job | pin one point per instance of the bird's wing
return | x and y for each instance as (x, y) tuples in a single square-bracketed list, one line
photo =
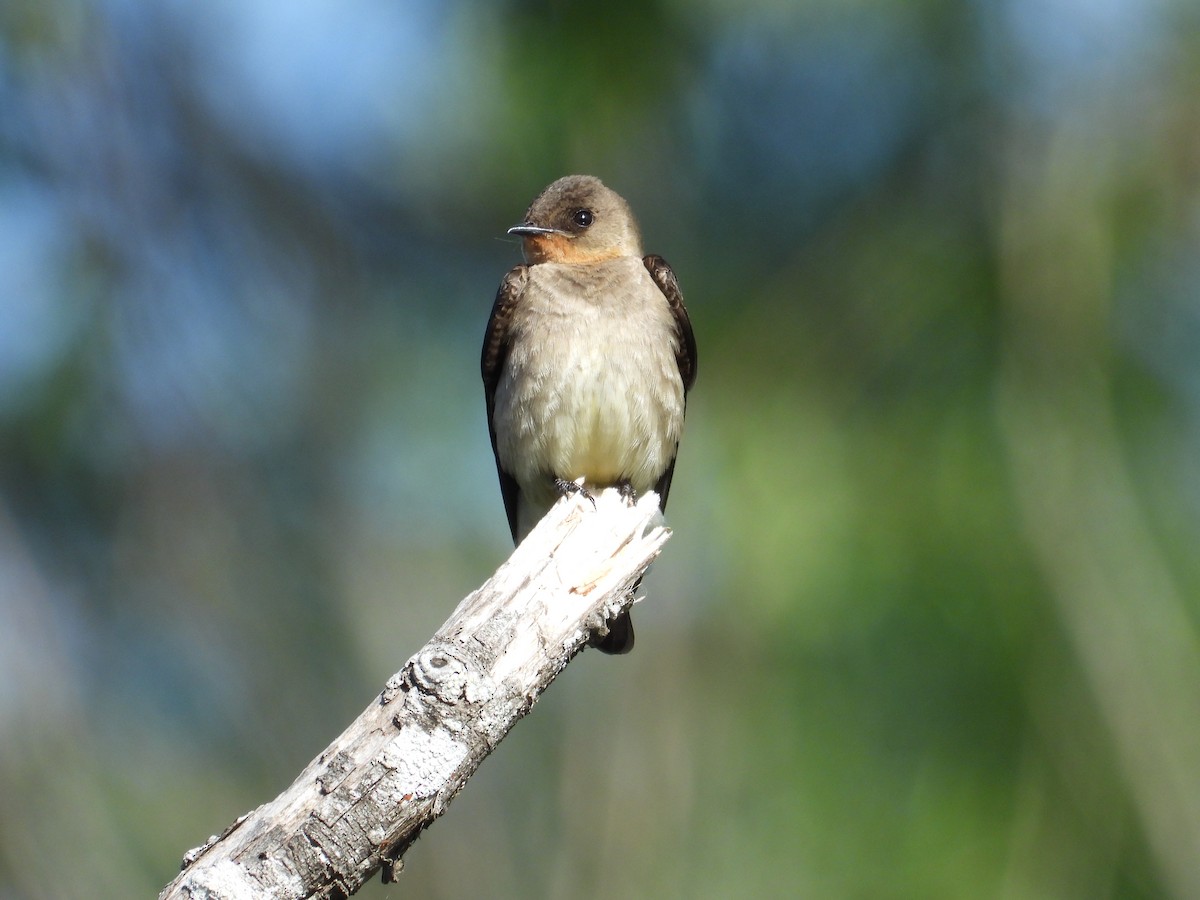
[(685, 347), (495, 351)]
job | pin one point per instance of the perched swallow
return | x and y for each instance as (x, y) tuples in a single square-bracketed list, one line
[(587, 361)]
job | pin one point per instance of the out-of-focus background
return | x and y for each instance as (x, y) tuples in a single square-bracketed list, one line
[(928, 626)]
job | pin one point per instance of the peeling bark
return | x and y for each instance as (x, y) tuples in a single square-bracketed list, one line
[(358, 806)]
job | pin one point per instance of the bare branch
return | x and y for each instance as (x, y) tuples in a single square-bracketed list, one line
[(358, 806)]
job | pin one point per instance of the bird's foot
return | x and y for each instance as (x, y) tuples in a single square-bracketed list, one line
[(566, 488), (628, 494)]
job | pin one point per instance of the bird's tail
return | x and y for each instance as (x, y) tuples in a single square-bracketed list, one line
[(619, 638)]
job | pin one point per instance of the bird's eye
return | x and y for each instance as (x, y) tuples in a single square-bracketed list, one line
[(583, 218)]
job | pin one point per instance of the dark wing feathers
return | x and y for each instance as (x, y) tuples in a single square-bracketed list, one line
[(685, 348), (685, 351), (495, 351)]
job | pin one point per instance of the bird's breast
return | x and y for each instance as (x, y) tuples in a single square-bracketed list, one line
[(591, 387)]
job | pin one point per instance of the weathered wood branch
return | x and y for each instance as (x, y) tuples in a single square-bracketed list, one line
[(358, 806)]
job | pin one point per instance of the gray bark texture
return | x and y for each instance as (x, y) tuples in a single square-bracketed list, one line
[(358, 806)]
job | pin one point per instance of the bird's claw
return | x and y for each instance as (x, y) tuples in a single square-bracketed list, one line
[(566, 488), (628, 494)]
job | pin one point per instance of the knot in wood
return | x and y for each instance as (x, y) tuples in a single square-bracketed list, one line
[(441, 671)]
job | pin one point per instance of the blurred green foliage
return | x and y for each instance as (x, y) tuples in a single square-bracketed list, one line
[(928, 626)]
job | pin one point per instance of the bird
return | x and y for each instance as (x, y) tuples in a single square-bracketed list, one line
[(587, 362)]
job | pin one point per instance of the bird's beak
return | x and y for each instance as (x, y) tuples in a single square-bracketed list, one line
[(527, 230)]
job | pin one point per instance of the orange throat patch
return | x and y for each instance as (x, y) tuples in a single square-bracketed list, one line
[(561, 248)]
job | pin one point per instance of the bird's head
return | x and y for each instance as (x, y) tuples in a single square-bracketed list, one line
[(578, 220)]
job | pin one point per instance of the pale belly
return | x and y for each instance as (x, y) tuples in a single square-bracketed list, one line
[(591, 396)]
